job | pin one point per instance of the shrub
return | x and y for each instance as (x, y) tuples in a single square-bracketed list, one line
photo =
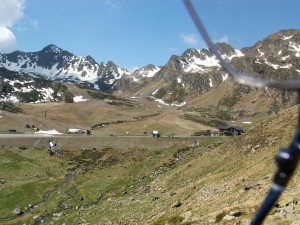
[(9, 107)]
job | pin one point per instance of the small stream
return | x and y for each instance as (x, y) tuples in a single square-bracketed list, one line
[(72, 189), (71, 194), (71, 176)]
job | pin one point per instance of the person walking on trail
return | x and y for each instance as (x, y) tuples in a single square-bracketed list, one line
[(53, 147)]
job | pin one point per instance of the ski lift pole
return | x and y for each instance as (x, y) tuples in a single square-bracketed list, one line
[(286, 160)]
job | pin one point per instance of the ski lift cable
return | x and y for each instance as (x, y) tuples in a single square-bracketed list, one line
[(286, 159), (239, 76)]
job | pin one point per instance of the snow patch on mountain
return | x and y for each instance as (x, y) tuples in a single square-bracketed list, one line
[(260, 52), (210, 82), (169, 104), (145, 72), (148, 73), (79, 99), (203, 61), (50, 132), (225, 76), (153, 93), (195, 64), (53, 63), (27, 89), (9, 98), (238, 53), (286, 38), (295, 48)]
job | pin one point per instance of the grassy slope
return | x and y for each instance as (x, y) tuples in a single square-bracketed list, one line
[(140, 185), (121, 174), (26, 175), (257, 101), (213, 185), (58, 116), (144, 177)]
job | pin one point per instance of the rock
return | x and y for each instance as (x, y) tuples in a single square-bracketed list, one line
[(296, 218), (36, 217), (276, 205), (248, 186), (278, 216), (212, 220), (236, 213), (287, 209), (155, 198), (229, 217), (219, 217), (57, 214), (18, 211), (176, 204), (296, 201), (2, 180), (187, 215)]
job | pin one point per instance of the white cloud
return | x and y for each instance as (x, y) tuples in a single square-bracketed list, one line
[(34, 23), (111, 3), (26, 24), (133, 69), (22, 29), (10, 12), (171, 49), (189, 39), (7, 40), (223, 39)]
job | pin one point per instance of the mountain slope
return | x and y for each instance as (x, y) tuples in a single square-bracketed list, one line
[(184, 79), (226, 184), (56, 64), (140, 180), (19, 87), (199, 71)]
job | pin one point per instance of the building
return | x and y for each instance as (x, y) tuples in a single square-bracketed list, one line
[(230, 130), (206, 133), (155, 133), (77, 131)]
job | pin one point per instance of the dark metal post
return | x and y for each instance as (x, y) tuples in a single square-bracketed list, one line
[(286, 160)]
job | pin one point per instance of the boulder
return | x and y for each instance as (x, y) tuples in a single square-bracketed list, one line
[(18, 211)]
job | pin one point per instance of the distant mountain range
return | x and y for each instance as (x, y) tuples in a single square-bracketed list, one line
[(53, 63), (194, 73)]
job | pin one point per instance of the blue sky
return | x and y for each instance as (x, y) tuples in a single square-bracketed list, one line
[(134, 33)]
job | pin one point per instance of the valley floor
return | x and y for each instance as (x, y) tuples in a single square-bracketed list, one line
[(134, 180)]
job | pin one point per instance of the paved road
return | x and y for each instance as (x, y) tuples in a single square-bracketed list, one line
[(24, 135), (83, 136)]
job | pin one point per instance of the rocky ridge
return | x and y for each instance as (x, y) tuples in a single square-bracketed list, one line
[(182, 79)]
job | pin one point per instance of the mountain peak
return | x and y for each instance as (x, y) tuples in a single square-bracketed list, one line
[(150, 67), (111, 63), (52, 48), (90, 59), (225, 48), (147, 71), (55, 63)]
